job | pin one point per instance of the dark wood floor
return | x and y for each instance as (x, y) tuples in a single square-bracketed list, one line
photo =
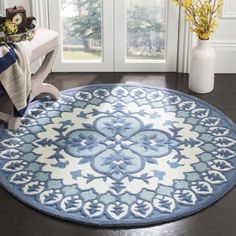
[(218, 220)]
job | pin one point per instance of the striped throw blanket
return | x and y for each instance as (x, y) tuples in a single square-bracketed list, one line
[(15, 74)]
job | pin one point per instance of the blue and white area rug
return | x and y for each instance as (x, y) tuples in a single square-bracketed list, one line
[(120, 155)]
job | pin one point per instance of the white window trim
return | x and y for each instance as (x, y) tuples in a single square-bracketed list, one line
[(40, 11), (167, 65), (185, 44), (107, 63), (3, 4)]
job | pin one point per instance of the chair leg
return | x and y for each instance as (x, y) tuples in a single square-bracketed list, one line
[(38, 87), (45, 67), (49, 89), (14, 123)]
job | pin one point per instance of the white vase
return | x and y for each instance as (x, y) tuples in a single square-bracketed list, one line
[(202, 70)]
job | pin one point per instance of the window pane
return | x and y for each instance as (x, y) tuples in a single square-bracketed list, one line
[(82, 29), (146, 29)]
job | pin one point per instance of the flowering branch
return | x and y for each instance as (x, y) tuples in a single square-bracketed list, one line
[(202, 14)]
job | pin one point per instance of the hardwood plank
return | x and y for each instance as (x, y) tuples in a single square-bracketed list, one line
[(217, 220)]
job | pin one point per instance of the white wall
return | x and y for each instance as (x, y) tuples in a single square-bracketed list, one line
[(224, 41), (25, 3)]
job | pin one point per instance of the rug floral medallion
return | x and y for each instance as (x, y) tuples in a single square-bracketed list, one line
[(120, 155)]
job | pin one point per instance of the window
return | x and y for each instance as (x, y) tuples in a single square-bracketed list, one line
[(111, 35)]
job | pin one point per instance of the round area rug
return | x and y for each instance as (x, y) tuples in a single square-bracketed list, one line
[(120, 155)]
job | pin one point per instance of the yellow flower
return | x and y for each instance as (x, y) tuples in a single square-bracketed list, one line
[(202, 14), (10, 28)]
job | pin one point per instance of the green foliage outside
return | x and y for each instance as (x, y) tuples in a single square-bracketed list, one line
[(86, 25), (145, 25), (82, 55)]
